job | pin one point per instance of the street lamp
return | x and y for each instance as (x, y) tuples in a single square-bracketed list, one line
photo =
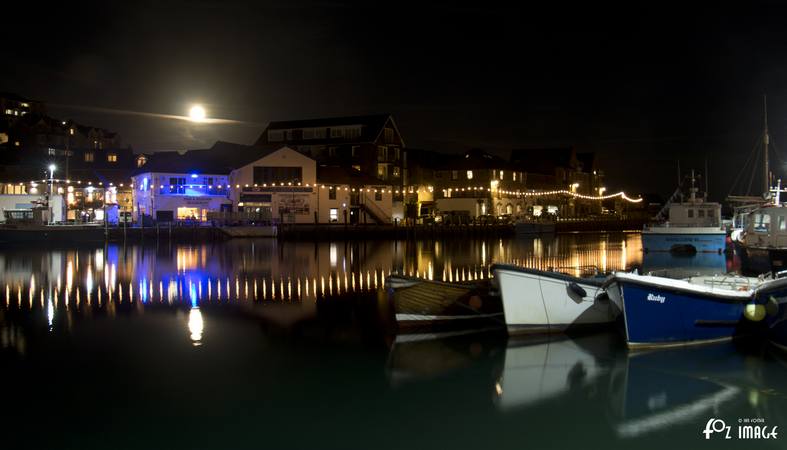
[(601, 191), (52, 168)]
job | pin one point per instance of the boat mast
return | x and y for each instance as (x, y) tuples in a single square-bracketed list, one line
[(765, 142)]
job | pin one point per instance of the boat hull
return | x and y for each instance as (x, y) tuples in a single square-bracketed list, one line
[(532, 228), (761, 259), (773, 297), (544, 302), (426, 303), (664, 315), (658, 239)]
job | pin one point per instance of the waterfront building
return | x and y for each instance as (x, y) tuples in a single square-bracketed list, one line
[(369, 144), (186, 185), (460, 188), (295, 190)]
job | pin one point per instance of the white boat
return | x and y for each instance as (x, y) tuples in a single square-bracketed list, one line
[(537, 301), (694, 224)]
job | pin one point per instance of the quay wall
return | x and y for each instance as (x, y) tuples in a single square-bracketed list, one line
[(321, 232)]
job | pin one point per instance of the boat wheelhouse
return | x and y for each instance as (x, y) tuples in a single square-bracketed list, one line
[(693, 226)]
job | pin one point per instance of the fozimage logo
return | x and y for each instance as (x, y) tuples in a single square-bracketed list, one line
[(656, 298), (747, 428)]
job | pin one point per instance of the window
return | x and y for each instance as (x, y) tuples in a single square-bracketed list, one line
[(337, 132), (396, 171), (762, 222), (501, 174), (354, 150), (357, 167), (389, 135), (690, 213), (268, 175), (319, 133), (332, 192), (381, 172), (494, 173), (273, 136), (469, 174), (308, 133), (141, 160), (88, 156), (112, 157), (334, 215), (782, 223), (332, 152), (51, 152), (378, 195), (701, 213), (398, 153), (352, 133), (514, 176), (454, 174), (382, 153)]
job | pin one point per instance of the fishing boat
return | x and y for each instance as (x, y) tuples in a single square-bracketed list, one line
[(762, 247), (546, 301), (664, 312), (420, 302), (693, 226)]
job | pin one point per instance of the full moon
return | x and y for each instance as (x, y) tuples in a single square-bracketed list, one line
[(197, 113)]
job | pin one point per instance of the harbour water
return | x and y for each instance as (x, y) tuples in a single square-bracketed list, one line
[(236, 344)]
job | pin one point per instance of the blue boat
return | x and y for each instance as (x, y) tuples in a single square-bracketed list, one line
[(664, 312)]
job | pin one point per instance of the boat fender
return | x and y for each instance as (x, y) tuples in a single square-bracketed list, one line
[(602, 297), (754, 312), (577, 289)]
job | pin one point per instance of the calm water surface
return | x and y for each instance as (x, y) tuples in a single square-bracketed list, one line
[(262, 344)]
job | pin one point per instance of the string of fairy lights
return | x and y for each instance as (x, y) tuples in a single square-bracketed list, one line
[(448, 192)]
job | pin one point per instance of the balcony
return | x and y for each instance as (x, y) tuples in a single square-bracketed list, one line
[(194, 190)]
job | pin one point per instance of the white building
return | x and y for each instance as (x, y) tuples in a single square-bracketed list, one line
[(297, 191)]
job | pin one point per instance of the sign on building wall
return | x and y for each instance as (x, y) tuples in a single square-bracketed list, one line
[(294, 204)]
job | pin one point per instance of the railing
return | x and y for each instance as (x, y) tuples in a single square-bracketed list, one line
[(195, 190)]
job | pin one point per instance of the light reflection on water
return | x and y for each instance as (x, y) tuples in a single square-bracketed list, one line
[(259, 332)]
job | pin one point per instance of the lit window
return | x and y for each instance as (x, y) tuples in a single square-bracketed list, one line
[(52, 152), (357, 167), (501, 174), (71, 130), (782, 223), (9, 112), (381, 171), (88, 156), (514, 175), (111, 157), (396, 171), (334, 215), (469, 174)]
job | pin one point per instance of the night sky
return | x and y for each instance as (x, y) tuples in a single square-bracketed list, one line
[(642, 86)]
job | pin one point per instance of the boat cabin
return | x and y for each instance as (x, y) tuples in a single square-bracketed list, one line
[(768, 227), (695, 214)]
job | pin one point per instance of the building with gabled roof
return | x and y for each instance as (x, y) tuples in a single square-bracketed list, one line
[(371, 144)]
